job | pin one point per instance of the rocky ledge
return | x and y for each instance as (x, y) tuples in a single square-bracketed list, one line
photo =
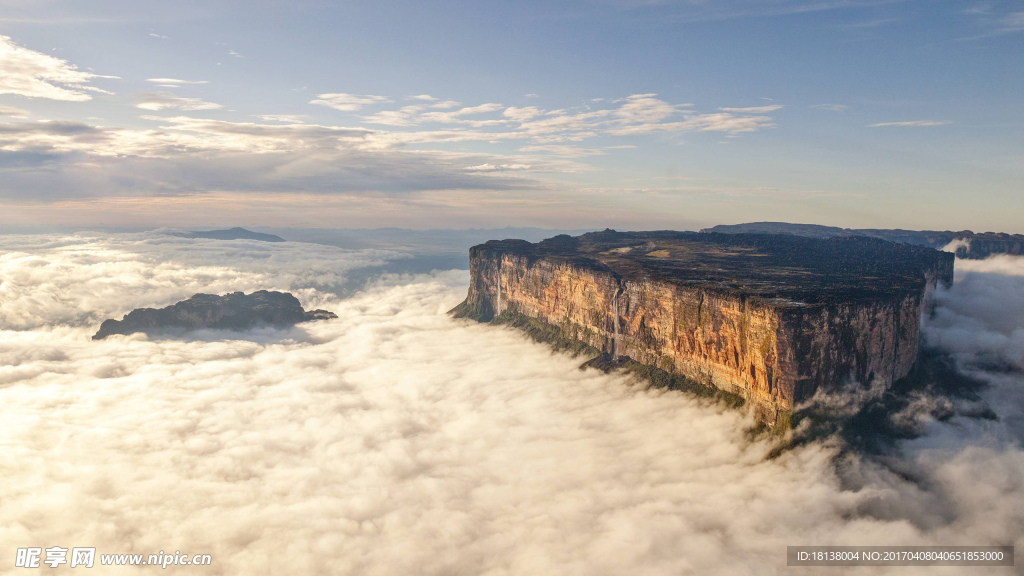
[(769, 319), (235, 311)]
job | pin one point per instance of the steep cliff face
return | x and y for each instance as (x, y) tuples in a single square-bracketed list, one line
[(741, 329)]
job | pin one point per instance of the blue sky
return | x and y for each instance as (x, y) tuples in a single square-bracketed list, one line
[(630, 114)]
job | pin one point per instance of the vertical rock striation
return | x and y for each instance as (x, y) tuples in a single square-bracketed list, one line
[(772, 319)]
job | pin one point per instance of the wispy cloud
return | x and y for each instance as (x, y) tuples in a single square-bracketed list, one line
[(1013, 22), (635, 114), (234, 156), (995, 19), (423, 97), (522, 114), (497, 167), (911, 123), (567, 151), (697, 11), (167, 101), (645, 108), (347, 102), (12, 112), (754, 109), (405, 116), (288, 118), (831, 107), (459, 116), (175, 81), (412, 147), (25, 72), (873, 23)]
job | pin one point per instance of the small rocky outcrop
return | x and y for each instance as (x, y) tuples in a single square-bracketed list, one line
[(235, 311)]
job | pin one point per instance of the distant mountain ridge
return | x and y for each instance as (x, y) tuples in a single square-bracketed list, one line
[(231, 234), (968, 244)]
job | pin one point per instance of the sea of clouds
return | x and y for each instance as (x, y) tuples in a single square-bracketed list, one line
[(396, 440)]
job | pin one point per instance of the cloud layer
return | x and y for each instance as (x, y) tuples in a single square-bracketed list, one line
[(395, 440), (187, 154)]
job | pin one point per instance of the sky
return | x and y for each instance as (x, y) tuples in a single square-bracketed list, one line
[(632, 114)]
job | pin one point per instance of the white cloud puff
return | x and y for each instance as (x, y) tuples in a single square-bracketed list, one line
[(395, 440), (497, 167), (156, 101), (25, 72), (346, 102), (911, 123)]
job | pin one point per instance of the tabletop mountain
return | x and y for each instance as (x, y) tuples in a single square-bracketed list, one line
[(772, 319)]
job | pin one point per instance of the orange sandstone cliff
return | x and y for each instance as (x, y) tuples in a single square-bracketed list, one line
[(772, 319)]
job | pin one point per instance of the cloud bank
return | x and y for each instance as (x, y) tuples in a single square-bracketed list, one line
[(186, 154), (396, 440), (427, 145)]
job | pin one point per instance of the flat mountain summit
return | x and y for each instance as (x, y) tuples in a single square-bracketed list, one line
[(234, 311), (767, 266)]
